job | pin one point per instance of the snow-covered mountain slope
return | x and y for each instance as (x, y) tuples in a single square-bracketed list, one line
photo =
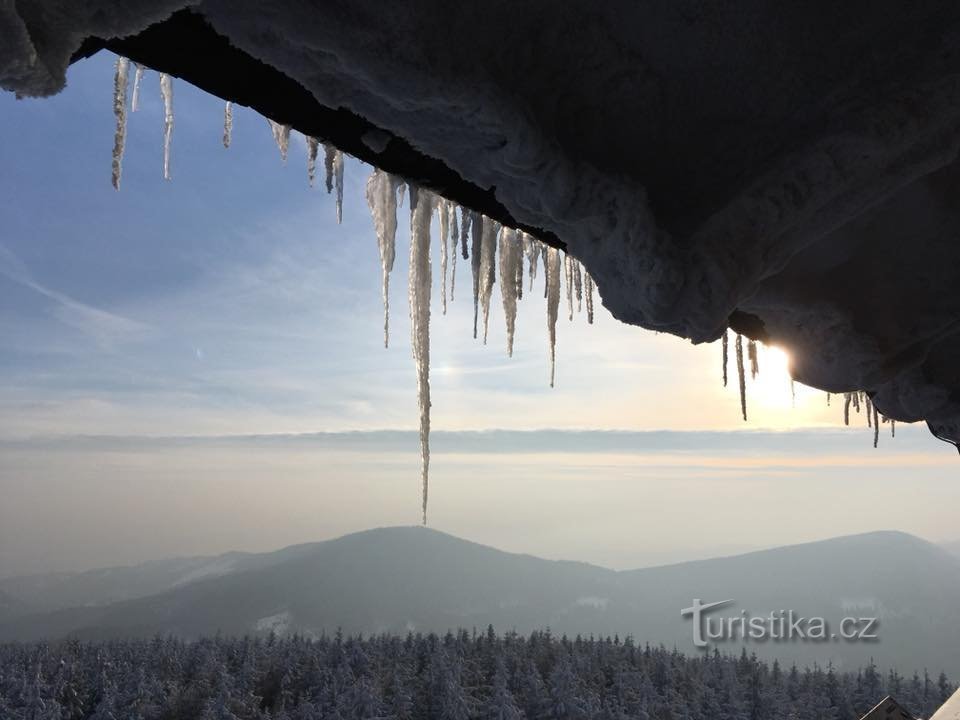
[(787, 170), (399, 579)]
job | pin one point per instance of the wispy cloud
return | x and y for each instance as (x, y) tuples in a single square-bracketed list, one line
[(104, 327)]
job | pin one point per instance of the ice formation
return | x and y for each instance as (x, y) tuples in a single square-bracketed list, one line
[(454, 239), (227, 124), (578, 284), (725, 354), (329, 158), (488, 252), (382, 199), (443, 212), (476, 232), (313, 149), (531, 249), (166, 92), (120, 83), (338, 181), (588, 291), (552, 267), (511, 258), (137, 79), (421, 210), (568, 273), (281, 136), (741, 375), (754, 359)]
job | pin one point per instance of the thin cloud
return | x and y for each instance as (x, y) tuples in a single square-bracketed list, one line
[(104, 327)]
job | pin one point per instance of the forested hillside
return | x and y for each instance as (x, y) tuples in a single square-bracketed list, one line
[(454, 677)]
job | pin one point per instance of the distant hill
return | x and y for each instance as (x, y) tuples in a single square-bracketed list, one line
[(399, 579)]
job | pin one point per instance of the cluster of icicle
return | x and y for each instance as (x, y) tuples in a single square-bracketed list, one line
[(492, 249), (856, 400), (333, 158)]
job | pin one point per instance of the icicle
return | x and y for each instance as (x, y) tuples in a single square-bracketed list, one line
[(847, 398), (588, 290), (313, 149), (454, 239), (876, 426), (869, 413), (552, 270), (401, 190), (488, 269), (738, 346), (120, 81), (329, 156), (281, 136), (856, 401), (578, 285), (754, 359), (793, 393), (444, 229), (518, 266), (464, 229), (382, 199), (338, 179), (828, 399), (137, 78), (421, 211), (568, 273), (893, 427), (511, 257), (725, 354), (476, 231), (166, 90), (531, 248), (228, 125)]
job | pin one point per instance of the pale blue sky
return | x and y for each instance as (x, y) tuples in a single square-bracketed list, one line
[(228, 302)]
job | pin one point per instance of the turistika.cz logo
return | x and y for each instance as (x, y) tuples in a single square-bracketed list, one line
[(777, 626)]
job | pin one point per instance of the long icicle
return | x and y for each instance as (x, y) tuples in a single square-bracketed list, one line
[(738, 347), (578, 285), (382, 199), (137, 79), (120, 82), (568, 273), (444, 229), (726, 355), (876, 426), (488, 269), (476, 232), (166, 91), (553, 268), (511, 257), (588, 291), (421, 210), (847, 398), (465, 223), (454, 239), (338, 181), (227, 124)]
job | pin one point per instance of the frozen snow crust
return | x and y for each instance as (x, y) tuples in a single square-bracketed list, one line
[(788, 164)]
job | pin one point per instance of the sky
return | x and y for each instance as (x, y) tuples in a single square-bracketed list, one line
[(153, 337)]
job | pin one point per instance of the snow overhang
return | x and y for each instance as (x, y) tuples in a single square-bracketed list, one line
[(788, 169)]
